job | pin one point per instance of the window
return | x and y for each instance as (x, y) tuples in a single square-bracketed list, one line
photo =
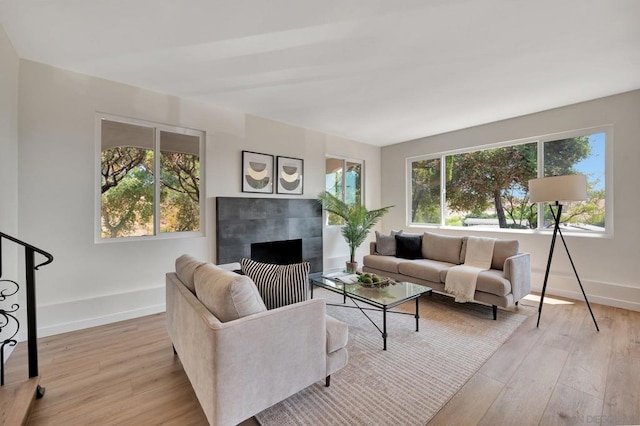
[(343, 178), (149, 179), (489, 187)]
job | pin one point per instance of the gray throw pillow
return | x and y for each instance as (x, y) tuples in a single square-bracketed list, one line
[(386, 244)]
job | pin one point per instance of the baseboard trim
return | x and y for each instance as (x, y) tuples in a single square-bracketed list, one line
[(72, 315), (97, 321), (609, 294), (632, 306)]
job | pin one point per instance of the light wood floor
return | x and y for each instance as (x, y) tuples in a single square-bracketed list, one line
[(561, 373)]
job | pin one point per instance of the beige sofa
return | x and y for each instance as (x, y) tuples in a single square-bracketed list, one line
[(508, 280), (246, 358)]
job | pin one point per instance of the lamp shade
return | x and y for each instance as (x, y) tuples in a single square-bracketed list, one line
[(558, 188)]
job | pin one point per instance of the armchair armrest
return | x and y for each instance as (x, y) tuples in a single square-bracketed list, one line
[(517, 269), (241, 367), (264, 358)]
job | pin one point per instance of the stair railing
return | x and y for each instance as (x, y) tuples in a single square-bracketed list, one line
[(7, 316)]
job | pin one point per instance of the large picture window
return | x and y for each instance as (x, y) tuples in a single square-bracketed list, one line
[(343, 179), (149, 179), (488, 188)]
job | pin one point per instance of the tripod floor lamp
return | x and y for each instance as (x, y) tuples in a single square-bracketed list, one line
[(554, 190)]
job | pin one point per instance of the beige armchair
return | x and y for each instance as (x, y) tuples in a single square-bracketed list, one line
[(242, 366)]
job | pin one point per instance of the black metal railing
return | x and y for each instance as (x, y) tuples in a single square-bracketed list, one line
[(7, 316)]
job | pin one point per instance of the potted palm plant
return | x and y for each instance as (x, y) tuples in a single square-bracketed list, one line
[(358, 221)]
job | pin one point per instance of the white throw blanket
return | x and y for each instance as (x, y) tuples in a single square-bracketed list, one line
[(461, 280)]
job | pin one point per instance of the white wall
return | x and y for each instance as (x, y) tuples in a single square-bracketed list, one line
[(89, 283), (9, 66), (607, 266)]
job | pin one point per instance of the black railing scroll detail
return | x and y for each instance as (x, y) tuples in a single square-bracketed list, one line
[(9, 324)]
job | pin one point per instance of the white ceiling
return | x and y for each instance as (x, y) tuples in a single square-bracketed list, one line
[(377, 71)]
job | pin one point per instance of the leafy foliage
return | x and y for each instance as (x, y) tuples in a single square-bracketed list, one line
[(425, 198), (128, 186), (475, 180), (127, 207), (497, 179), (358, 221)]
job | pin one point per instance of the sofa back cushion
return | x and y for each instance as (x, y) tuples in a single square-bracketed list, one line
[(386, 244), (408, 246), (278, 285), (186, 266), (444, 248), (502, 249), (225, 294)]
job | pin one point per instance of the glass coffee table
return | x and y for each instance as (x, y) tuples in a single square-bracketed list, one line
[(381, 298)]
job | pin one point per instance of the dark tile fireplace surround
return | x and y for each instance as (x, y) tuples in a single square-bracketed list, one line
[(241, 222)]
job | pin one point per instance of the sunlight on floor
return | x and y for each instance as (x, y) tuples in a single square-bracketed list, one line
[(547, 300)]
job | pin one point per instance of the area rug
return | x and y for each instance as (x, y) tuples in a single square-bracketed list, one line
[(413, 379)]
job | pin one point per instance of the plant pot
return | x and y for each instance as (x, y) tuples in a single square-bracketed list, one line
[(352, 267)]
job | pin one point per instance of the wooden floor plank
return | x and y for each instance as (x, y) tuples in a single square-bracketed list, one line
[(470, 403), (526, 395), (559, 373), (569, 406)]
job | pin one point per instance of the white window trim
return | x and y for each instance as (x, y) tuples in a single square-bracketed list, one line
[(158, 127), (344, 184), (607, 129)]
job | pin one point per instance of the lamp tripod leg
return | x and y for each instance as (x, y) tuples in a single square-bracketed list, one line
[(556, 228), (579, 282)]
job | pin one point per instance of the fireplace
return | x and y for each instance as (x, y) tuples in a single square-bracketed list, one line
[(242, 222), (279, 252)]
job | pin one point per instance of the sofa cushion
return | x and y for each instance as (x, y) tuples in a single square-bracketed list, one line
[(408, 246), (225, 294), (386, 244), (491, 281), (424, 269), (337, 334), (382, 263), (186, 265), (444, 248), (502, 249), (279, 285)]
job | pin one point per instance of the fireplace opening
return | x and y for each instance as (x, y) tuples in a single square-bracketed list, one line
[(283, 252)]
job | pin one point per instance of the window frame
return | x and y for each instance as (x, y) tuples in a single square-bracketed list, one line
[(157, 129), (540, 141), (345, 160)]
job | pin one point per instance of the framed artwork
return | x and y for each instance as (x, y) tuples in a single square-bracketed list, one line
[(290, 172), (257, 172)]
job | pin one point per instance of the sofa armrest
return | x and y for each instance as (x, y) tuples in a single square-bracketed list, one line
[(517, 269), (372, 247)]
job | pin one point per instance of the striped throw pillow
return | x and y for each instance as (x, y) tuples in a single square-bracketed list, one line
[(279, 285)]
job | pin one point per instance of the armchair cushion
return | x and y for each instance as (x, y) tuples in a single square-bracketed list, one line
[(279, 285), (227, 295), (186, 266)]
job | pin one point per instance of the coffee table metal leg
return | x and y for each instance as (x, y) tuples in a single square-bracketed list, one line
[(417, 312), (384, 328)]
